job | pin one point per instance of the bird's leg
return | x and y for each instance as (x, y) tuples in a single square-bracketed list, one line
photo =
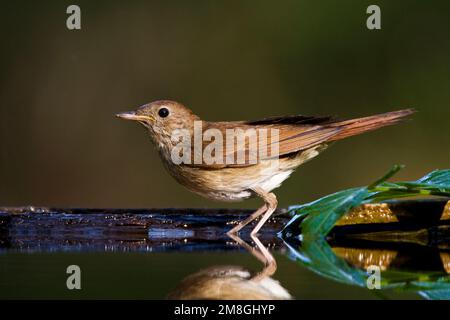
[(261, 253), (254, 251), (252, 217), (268, 260), (271, 202)]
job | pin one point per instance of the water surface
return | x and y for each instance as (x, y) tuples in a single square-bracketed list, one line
[(155, 254)]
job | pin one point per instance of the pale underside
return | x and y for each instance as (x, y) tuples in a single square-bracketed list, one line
[(238, 183)]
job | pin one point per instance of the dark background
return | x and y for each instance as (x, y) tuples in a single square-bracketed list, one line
[(60, 144)]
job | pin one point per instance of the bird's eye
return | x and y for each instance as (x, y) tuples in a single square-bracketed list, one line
[(163, 112)]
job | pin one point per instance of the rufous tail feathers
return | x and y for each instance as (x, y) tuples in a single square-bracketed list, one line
[(361, 125)]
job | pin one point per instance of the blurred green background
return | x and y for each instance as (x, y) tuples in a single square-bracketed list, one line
[(60, 144)]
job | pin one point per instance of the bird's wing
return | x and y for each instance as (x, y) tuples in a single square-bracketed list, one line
[(288, 135), (247, 143), (295, 138)]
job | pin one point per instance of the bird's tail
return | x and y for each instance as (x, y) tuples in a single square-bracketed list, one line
[(361, 125)]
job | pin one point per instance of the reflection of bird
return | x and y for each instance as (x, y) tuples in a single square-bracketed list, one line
[(227, 283), (234, 282), (297, 138)]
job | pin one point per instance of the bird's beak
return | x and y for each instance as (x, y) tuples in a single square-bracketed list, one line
[(131, 115)]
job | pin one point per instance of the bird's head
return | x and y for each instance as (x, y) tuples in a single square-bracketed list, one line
[(161, 118)]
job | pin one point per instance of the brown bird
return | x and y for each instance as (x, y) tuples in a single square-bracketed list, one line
[(228, 169)]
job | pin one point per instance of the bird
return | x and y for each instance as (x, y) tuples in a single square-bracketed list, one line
[(243, 171)]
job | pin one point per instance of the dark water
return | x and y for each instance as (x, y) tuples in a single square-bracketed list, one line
[(142, 254)]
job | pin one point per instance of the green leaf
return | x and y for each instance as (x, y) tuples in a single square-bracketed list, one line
[(324, 215), (318, 257), (319, 217), (437, 177), (436, 294), (316, 207), (396, 168), (436, 183)]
